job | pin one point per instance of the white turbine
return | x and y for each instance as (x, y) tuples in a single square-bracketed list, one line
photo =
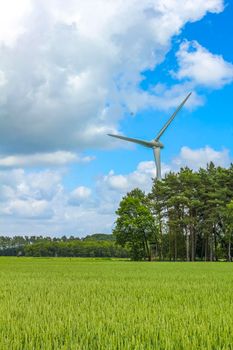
[(155, 144)]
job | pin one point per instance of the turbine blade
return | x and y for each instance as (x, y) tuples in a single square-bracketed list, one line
[(140, 142), (171, 118)]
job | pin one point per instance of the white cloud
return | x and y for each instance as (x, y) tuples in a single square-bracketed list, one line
[(73, 68), (141, 177), (116, 182), (69, 71), (19, 184), (79, 194), (3, 80), (12, 15), (196, 158), (30, 209), (30, 201), (58, 158), (167, 98), (36, 203), (202, 67)]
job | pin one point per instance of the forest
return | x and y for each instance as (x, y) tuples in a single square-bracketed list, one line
[(187, 216), (96, 245)]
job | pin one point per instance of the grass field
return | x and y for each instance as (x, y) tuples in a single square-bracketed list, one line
[(84, 304)]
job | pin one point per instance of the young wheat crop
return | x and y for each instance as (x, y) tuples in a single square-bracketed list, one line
[(85, 304)]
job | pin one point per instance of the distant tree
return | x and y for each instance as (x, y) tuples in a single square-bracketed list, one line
[(99, 237), (135, 226)]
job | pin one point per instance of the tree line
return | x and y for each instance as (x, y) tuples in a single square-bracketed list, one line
[(96, 245), (187, 216)]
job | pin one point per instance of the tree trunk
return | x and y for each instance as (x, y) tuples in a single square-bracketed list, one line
[(170, 248), (202, 249), (215, 245), (187, 246), (206, 248), (156, 251), (211, 247), (147, 248), (192, 234), (229, 250), (161, 238), (175, 247), (192, 243)]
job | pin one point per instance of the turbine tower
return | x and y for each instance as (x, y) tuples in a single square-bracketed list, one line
[(155, 144)]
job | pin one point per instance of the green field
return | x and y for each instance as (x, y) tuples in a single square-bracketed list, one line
[(85, 304)]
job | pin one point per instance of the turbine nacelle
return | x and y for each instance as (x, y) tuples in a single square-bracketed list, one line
[(157, 144)]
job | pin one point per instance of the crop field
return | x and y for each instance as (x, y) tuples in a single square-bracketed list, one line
[(85, 304)]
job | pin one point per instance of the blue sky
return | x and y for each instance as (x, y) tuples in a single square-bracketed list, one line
[(70, 75)]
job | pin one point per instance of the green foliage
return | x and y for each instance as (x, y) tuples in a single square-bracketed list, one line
[(135, 225), (191, 208), (99, 237), (76, 248), (87, 304), (97, 245), (188, 215)]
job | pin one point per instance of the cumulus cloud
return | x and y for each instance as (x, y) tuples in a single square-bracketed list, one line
[(79, 194), (3, 80), (30, 201), (197, 158), (37, 202), (165, 97), (30, 209), (202, 67), (70, 70), (12, 15), (58, 158)]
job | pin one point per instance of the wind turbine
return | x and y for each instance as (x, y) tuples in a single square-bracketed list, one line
[(155, 144)]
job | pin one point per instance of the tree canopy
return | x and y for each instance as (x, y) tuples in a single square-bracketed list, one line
[(135, 225), (187, 216), (96, 245)]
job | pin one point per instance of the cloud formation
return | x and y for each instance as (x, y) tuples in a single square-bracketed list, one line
[(79, 195), (58, 158), (197, 158), (201, 67), (69, 71), (37, 202)]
